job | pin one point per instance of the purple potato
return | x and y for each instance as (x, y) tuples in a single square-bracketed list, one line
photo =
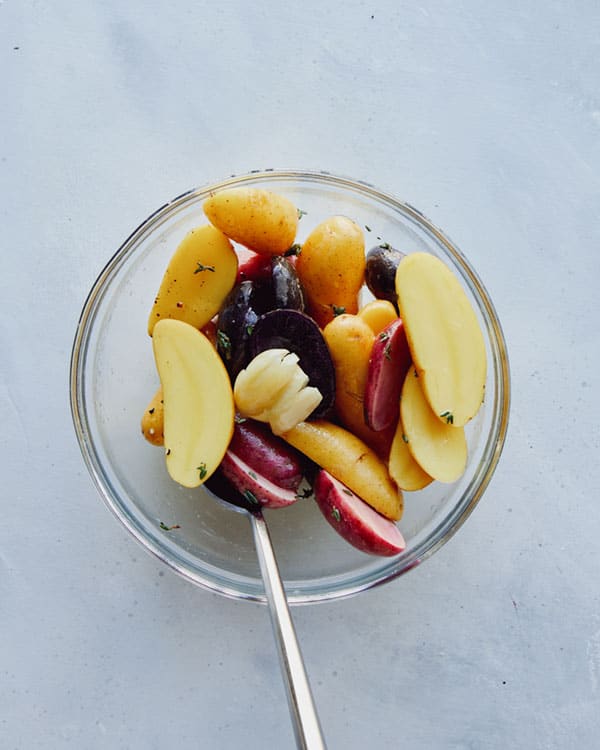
[(287, 291), (298, 333), (235, 323), (380, 273)]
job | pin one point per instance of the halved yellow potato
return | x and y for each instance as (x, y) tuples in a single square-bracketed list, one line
[(348, 459), (403, 468), (263, 221), (439, 448), (198, 401), (200, 274), (444, 337)]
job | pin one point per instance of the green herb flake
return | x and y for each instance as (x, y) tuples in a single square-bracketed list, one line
[(307, 492), (384, 336), (202, 267), (301, 213), (385, 246), (367, 228), (295, 249), (239, 419), (346, 491), (250, 497), (388, 351), (404, 438), (249, 329), (338, 310), (336, 514), (202, 470), (224, 344), (252, 474), (448, 416), (164, 526)]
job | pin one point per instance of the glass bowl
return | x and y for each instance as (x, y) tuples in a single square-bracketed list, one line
[(113, 377)]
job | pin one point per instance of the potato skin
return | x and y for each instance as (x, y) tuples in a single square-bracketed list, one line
[(200, 275), (153, 419), (378, 314), (349, 460), (350, 341), (263, 221), (331, 268)]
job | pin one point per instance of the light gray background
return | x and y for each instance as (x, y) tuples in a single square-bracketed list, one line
[(484, 115)]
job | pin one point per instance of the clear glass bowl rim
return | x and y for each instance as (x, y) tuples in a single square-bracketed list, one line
[(494, 443)]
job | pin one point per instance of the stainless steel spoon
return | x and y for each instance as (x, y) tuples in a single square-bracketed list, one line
[(307, 728)]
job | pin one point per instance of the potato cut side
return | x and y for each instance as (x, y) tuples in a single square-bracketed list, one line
[(403, 468), (200, 274), (439, 448), (263, 221), (444, 336), (348, 459), (198, 402)]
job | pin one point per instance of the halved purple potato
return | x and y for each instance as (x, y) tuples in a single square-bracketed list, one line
[(297, 332), (354, 520)]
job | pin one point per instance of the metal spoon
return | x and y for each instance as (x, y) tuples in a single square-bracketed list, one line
[(307, 728)]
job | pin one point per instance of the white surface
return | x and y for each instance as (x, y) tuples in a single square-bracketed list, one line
[(484, 115)]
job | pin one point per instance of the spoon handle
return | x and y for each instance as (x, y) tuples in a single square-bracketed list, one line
[(302, 708)]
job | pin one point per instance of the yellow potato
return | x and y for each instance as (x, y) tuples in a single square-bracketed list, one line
[(444, 337), (263, 221), (403, 468), (199, 276), (198, 401), (350, 341), (350, 461), (439, 448), (153, 420), (378, 314), (331, 268)]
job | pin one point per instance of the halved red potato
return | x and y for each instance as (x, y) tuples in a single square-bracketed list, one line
[(354, 520)]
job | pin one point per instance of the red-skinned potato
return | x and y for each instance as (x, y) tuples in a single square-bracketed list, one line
[(253, 485), (254, 444), (354, 520), (254, 267), (388, 365)]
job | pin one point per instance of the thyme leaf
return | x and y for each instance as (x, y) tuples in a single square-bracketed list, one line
[(202, 267)]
